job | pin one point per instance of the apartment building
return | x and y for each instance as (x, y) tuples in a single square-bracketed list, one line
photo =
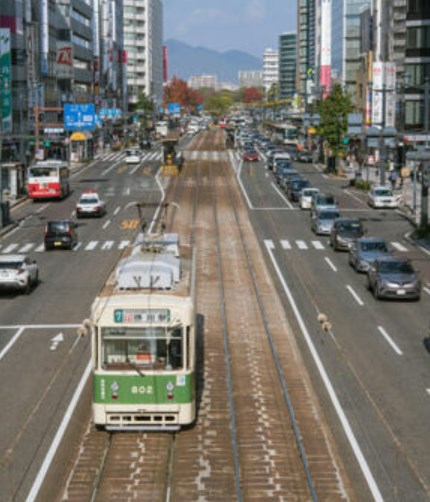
[(270, 68), (287, 64)]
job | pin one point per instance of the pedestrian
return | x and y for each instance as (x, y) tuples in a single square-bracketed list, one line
[(393, 177)]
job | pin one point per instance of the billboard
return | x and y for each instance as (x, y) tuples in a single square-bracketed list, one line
[(79, 117), (384, 94), (5, 81), (64, 60)]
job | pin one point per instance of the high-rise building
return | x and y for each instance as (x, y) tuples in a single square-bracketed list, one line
[(306, 40), (143, 43), (287, 65), (270, 68), (345, 41), (201, 81), (250, 78)]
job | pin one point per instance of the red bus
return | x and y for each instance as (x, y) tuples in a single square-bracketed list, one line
[(48, 179)]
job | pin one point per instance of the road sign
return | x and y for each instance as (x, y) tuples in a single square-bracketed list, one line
[(174, 108), (79, 117)]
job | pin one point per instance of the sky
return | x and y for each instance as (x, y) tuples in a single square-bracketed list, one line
[(222, 25)]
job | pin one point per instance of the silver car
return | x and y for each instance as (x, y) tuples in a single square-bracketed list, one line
[(364, 252), (323, 220), (18, 272), (393, 277)]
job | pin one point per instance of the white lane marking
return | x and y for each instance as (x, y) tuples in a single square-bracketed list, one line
[(11, 342), (285, 244), (123, 244), (78, 245), (355, 197), (302, 245), (106, 224), (318, 245), (91, 245), (427, 290), (9, 248), (428, 391), (41, 208), (115, 164), (248, 201), (354, 294), (56, 340), (399, 247), (327, 259), (390, 340), (117, 210), (373, 487), (26, 248), (108, 244), (282, 196), (40, 248), (34, 492)]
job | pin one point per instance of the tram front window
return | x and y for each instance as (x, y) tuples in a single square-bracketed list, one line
[(154, 348)]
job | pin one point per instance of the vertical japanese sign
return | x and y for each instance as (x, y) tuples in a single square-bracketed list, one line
[(64, 60), (5, 81)]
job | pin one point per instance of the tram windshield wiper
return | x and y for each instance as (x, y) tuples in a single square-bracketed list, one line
[(135, 367)]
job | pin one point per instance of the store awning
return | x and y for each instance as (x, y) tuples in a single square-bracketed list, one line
[(81, 136)]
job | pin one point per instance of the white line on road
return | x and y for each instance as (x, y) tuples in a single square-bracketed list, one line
[(108, 245), (330, 264), (26, 248), (123, 244), (390, 340), (285, 244), (78, 245), (354, 294), (117, 210), (106, 224), (11, 342), (318, 245), (427, 290), (41, 208), (9, 248), (373, 487), (355, 197), (399, 247), (282, 196), (302, 245), (91, 245)]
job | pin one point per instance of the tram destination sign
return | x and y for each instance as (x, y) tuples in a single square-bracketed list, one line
[(141, 316)]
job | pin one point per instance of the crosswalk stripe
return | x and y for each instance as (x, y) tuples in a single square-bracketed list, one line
[(302, 245), (9, 248), (108, 244), (285, 245), (91, 245), (123, 244), (40, 248), (399, 247), (78, 245), (26, 248), (318, 245)]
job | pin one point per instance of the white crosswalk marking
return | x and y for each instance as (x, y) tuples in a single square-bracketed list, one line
[(399, 247), (40, 248), (108, 245), (285, 244), (9, 248), (91, 245), (302, 245), (318, 245), (26, 248), (78, 245), (123, 244)]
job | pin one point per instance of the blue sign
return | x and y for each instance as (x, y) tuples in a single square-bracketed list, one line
[(174, 108), (79, 117)]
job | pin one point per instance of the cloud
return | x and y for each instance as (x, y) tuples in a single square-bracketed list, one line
[(199, 18)]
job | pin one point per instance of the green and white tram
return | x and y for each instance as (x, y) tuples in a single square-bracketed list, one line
[(143, 339)]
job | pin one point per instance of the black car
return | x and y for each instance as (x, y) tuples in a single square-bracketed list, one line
[(60, 234), (304, 156), (294, 188), (145, 143)]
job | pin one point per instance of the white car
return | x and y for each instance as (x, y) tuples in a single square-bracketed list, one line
[(382, 197), (18, 272), (305, 199), (90, 204), (133, 156)]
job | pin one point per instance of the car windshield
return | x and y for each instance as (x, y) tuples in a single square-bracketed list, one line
[(309, 193), (59, 226), (374, 246), (10, 265), (325, 201), (350, 226), (383, 192), (300, 183), (89, 200), (328, 215), (395, 267)]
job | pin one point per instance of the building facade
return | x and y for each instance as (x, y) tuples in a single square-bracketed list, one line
[(287, 65), (250, 78), (270, 68), (201, 81)]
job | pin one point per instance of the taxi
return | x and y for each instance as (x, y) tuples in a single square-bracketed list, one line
[(90, 204)]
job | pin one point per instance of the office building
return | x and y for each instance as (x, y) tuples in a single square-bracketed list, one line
[(202, 81), (250, 78), (270, 68), (287, 65)]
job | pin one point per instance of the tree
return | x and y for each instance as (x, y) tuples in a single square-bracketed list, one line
[(252, 94), (334, 118), (218, 104)]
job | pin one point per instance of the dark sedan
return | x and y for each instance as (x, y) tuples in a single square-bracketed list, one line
[(294, 189), (393, 277), (345, 232)]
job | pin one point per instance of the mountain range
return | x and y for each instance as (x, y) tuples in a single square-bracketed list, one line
[(185, 60)]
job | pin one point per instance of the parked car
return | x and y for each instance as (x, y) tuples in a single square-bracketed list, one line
[(393, 277), (323, 220), (250, 155), (133, 156), (364, 252), (18, 272), (305, 198), (382, 197), (90, 204), (345, 232), (295, 187), (323, 201), (60, 234)]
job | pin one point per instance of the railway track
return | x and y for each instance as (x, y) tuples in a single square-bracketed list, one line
[(259, 434)]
